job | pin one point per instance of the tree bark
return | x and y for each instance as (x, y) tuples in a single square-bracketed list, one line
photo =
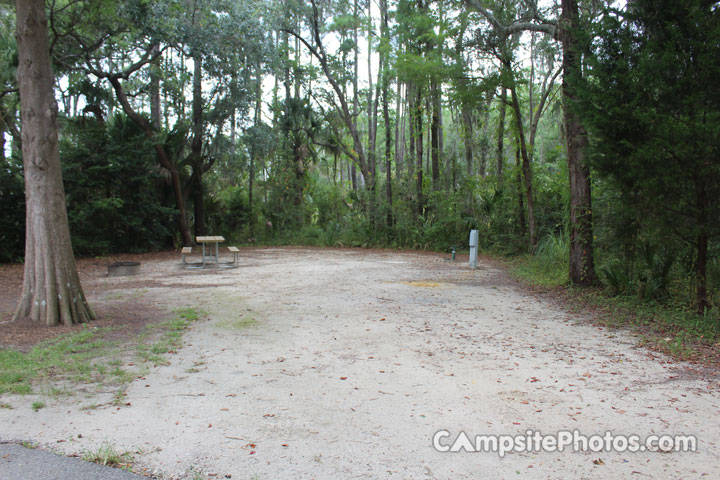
[(582, 267), (155, 89), (501, 135), (399, 130), (52, 292), (417, 116), (521, 205), (526, 167), (435, 137), (253, 154), (196, 147), (372, 123), (701, 300), (485, 144), (385, 33), (467, 136), (410, 97)]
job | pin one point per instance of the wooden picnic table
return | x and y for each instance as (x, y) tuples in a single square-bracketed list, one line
[(210, 240)]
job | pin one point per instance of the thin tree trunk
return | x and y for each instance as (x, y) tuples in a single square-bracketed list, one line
[(582, 267), (399, 131), (155, 89), (521, 205), (435, 137), (196, 147), (52, 293), (467, 136), (428, 135), (2, 138), (356, 95), (485, 144), (418, 117), (410, 95), (372, 122), (258, 118), (501, 135), (233, 133), (701, 300), (275, 86), (526, 167), (385, 33)]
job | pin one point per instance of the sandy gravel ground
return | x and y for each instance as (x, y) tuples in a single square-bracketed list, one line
[(338, 364)]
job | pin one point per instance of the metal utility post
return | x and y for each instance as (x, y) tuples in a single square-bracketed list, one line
[(473, 248)]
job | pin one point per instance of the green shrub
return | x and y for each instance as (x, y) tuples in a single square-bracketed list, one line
[(113, 188), (12, 213)]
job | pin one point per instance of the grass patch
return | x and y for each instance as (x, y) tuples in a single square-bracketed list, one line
[(167, 338), (238, 323), (85, 357), (37, 405), (548, 267), (107, 455), (77, 357)]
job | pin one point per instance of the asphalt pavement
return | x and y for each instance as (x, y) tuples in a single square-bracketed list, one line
[(20, 463)]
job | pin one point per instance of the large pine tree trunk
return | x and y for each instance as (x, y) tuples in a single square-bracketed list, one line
[(51, 288), (582, 267)]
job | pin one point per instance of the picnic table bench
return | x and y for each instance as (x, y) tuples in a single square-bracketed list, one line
[(210, 258)]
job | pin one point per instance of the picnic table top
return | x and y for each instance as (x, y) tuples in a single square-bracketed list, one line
[(210, 239)]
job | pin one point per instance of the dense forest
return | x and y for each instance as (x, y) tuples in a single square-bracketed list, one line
[(581, 134)]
